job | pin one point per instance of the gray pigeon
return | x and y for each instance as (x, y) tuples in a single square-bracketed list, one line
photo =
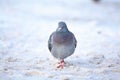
[(62, 43)]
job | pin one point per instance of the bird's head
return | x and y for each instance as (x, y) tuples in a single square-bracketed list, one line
[(62, 27)]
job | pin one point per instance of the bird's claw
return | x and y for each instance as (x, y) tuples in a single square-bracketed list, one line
[(61, 64)]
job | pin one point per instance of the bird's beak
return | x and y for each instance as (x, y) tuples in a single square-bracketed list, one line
[(59, 28)]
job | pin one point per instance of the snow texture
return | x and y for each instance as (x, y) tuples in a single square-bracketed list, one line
[(25, 26)]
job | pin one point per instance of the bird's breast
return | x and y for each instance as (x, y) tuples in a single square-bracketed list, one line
[(63, 38)]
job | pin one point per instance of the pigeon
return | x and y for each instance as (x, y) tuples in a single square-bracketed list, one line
[(62, 43)]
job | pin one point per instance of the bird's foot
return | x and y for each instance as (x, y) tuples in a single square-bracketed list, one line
[(61, 64)]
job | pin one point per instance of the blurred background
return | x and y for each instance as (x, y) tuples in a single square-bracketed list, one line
[(30, 11), (26, 23), (25, 26)]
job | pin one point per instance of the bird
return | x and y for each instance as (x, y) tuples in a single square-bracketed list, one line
[(62, 43)]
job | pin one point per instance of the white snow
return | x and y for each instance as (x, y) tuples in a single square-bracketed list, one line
[(25, 26)]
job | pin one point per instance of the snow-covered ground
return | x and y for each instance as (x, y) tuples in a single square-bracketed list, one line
[(25, 26)]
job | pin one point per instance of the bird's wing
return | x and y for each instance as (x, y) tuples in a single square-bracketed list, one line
[(74, 39), (50, 42), (75, 42)]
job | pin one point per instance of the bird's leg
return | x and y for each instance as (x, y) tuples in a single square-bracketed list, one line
[(61, 64), (61, 61)]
